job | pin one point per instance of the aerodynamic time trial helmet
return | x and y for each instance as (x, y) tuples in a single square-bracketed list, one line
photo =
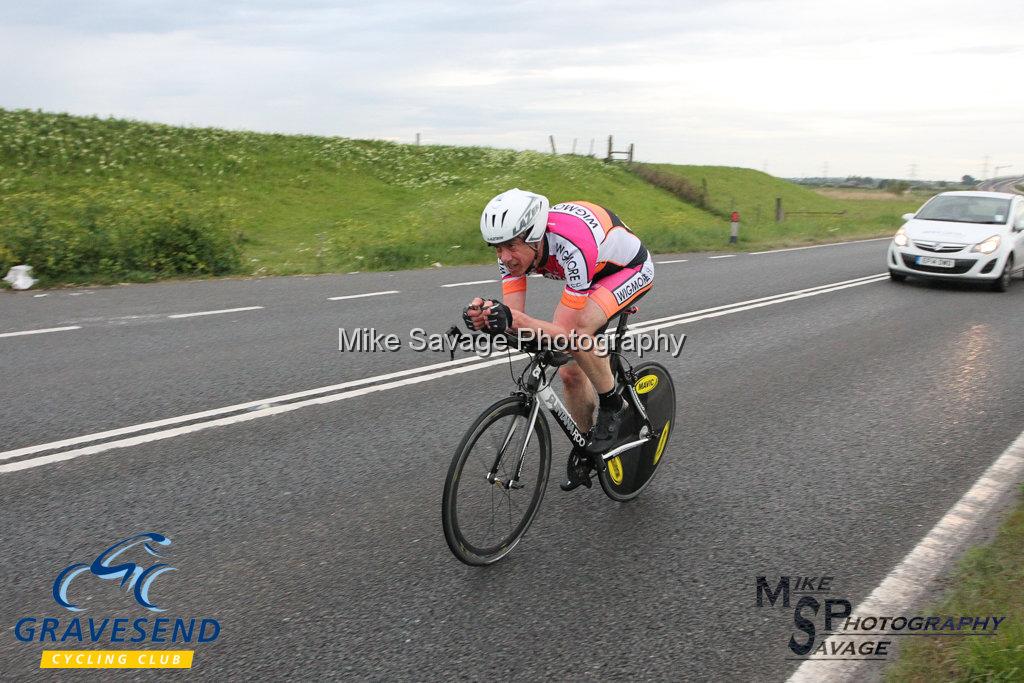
[(512, 214)]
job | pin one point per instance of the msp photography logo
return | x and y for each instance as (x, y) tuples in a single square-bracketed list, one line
[(848, 636), (121, 566)]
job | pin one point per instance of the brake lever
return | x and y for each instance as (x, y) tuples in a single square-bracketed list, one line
[(456, 335)]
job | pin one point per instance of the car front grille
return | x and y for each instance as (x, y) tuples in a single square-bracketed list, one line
[(961, 267), (939, 247)]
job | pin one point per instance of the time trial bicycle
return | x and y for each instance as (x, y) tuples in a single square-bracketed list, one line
[(499, 472)]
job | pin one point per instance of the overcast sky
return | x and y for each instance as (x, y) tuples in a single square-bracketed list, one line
[(884, 89)]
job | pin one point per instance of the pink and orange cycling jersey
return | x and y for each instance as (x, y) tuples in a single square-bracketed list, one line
[(590, 248)]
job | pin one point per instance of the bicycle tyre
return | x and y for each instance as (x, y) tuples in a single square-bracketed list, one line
[(462, 546), (628, 474)]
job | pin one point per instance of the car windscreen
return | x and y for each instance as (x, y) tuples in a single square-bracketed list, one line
[(965, 209)]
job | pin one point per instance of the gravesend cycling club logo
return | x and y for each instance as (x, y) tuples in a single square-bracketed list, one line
[(845, 635), (131, 565), (133, 577)]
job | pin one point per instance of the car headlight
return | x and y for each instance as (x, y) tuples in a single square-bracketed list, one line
[(901, 238), (987, 246)]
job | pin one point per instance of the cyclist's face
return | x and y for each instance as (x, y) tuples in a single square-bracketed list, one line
[(517, 256)]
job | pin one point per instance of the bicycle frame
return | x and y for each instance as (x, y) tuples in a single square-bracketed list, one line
[(538, 392)]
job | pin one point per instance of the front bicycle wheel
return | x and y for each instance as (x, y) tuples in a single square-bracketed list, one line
[(626, 475), (483, 514)]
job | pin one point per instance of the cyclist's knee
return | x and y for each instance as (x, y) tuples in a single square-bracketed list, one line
[(590, 319), (573, 378)]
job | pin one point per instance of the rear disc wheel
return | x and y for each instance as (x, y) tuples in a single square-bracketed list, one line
[(629, 473)]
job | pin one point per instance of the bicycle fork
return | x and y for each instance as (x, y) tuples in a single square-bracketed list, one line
[(513, 482)]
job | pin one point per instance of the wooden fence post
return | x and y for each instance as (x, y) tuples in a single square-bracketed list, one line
[(779, 215), (551, 138), (609, 157)]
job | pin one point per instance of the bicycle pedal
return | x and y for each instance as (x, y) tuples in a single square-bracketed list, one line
[(577, 472), (572, 484)]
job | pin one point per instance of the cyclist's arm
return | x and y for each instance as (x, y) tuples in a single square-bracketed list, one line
[(564, 321), (513, 288), (516, 300)]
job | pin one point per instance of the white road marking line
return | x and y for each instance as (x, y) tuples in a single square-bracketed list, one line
[(44, 331), (225, 310), (678, 260), (818, 246), (468, 364), (360, 296), (679, 316), (726, 256), (99, 436), (474, 282), (906, 584), (734, 309), (233, 419)]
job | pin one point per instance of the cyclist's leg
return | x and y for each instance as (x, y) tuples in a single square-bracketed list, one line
[(580, 379), (608, 297), (611, 295)]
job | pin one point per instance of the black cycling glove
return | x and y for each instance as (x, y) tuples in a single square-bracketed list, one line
[(499, 318), (466, 319)]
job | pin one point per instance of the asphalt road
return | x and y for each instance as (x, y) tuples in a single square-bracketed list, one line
[(820, 435), (1004, 184)]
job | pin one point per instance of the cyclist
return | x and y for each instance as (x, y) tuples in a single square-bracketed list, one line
[(605, 267)]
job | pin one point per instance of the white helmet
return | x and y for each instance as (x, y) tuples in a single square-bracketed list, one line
[(514, 214)]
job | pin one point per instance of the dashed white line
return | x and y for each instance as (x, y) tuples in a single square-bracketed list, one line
[(473, 282), (678, 260), (360, 296), (429, 372), (224, 310), (818, 246), (43, 331), (725, 256)]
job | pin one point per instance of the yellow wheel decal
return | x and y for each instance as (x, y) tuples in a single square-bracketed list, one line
[(662, 441), (615, 470), (646, 383)]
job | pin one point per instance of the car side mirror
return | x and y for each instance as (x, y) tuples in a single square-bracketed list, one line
[(908, 216), (1018, 224)]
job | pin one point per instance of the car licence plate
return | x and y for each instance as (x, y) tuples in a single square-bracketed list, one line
[(936, 262)]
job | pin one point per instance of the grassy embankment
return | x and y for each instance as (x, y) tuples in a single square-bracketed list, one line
[(989, 581), (300, 204), (101, 200), (834, 214)]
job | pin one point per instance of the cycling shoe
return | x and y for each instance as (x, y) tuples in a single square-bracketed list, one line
[(607, 428)]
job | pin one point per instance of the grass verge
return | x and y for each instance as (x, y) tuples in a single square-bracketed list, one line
[(988, 581)]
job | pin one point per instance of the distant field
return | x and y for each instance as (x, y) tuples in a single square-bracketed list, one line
[(102, 200), (809, 216)]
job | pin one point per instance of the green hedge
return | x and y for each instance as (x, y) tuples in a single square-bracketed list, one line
[(112, 234)]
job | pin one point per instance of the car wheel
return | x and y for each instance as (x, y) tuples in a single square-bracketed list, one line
[(897, 277), (1003, 282)]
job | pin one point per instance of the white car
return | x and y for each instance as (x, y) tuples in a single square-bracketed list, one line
[(961, 236)]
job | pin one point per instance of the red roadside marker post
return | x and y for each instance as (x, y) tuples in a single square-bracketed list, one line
[(735, 224)]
